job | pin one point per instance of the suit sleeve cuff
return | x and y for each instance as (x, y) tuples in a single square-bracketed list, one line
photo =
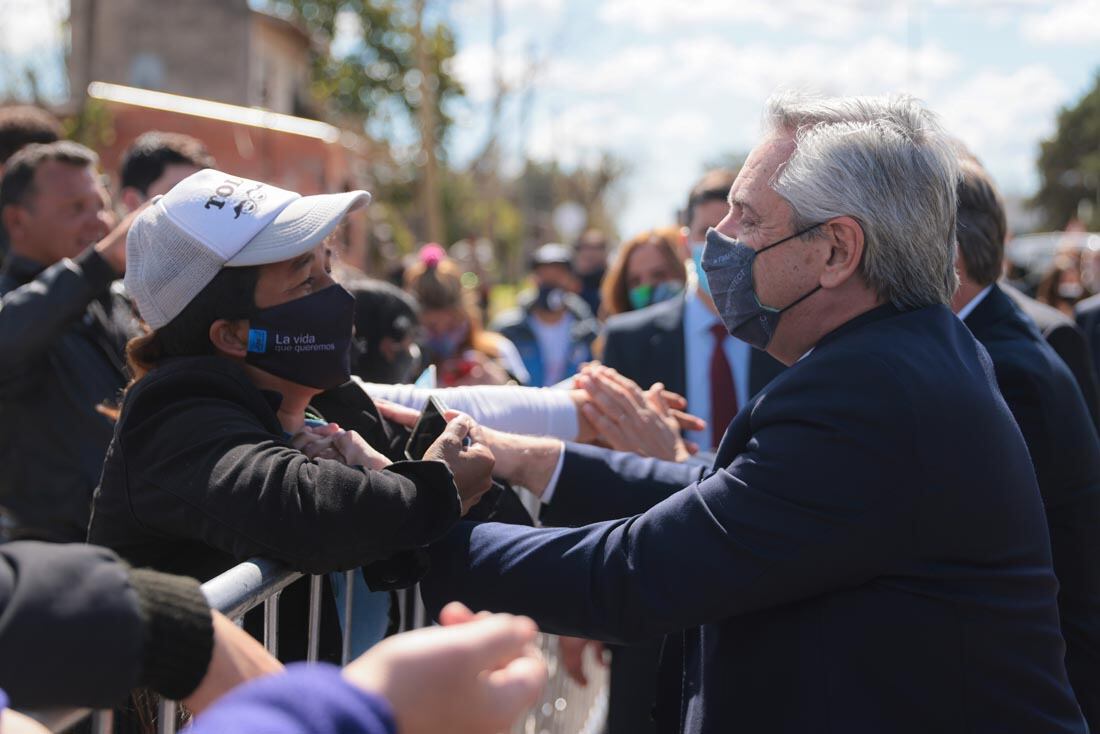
[(548, 493), (179, 632)]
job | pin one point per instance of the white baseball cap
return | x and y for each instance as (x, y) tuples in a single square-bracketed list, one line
[(212, 220)]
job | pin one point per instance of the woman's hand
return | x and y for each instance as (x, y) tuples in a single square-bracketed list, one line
[(332, 442)]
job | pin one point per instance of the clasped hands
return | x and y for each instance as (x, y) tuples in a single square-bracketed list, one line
[(615, 412), (471, 462)]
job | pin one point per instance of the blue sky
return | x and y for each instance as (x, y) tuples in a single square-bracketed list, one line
[(669, 84)]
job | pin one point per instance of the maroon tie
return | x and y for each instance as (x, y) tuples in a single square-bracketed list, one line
[(723, 394)]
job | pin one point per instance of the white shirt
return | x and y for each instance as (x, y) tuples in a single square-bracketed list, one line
[(555, 346), (698, 349), (533, 411), (510, 360), (969, 308)]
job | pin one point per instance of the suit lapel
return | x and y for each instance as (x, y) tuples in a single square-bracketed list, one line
[(736, 436), (762, 369)]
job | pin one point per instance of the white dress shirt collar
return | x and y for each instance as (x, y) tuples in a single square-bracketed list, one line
[(969, 308)]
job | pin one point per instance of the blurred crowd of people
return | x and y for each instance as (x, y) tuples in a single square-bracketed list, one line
[(190, 376)]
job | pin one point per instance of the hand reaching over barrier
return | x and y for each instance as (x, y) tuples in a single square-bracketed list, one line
[(627, 418), (469, 459)]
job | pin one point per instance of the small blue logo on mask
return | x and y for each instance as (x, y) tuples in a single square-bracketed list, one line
[(257, 341)]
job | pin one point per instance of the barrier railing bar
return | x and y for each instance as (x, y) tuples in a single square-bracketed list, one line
[(244, 586), (103, 722), (314, 638), (349, 601), (166, 717), (271, 623)]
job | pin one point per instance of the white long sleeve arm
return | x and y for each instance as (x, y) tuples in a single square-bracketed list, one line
[(533, 411)]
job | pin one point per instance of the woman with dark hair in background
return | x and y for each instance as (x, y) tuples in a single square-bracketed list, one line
[(646, 270), (458, 345), (1061, 286)]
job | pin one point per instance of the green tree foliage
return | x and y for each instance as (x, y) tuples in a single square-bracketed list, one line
[(376, 78), (1069, 165)]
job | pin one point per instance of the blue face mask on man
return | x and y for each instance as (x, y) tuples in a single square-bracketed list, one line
[(727, 264)]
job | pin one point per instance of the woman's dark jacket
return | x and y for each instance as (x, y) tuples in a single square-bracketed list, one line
[(200, 476)]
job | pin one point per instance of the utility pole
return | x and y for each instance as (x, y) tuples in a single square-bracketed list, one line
[(429, 191)]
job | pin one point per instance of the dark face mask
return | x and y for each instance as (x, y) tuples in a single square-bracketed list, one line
[(306, 341), (550, 298), (373, 366), (728, 266)]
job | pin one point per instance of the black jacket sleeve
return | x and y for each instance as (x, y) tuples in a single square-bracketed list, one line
[(79, 628), (207, 469), (33, 315)]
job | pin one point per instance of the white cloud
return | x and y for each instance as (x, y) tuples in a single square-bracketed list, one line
[(1001, 116), (30, 26), (1067, 22), (832, 19), (347, 34), (667, 107), (484, 7), (709, 66)]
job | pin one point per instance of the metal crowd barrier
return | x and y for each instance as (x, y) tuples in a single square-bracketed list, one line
[(565, 708)]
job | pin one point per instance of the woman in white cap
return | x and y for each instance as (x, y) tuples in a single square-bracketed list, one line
[(211, 458)]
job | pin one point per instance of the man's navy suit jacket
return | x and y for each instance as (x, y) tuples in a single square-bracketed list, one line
[(647, 346), (1048, 406), (1068, 341), (871, 554)]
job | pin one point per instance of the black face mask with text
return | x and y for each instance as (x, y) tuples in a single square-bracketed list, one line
[(306, 341)]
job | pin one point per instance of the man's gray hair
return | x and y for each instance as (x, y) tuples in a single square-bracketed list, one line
[(886, 162)]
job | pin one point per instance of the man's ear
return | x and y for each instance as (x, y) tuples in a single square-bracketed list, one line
[(845, 236), (132, 198), (230, 337), (13, 217)]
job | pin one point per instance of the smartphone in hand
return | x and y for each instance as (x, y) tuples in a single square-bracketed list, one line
[(427, 429)]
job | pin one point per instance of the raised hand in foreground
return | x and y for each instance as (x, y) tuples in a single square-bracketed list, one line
[(475, 675)]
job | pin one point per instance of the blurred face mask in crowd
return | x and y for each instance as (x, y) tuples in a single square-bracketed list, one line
[(728, 266), (646, 295), (445, 344), (389, 362), (550, 298), (306, 341)]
